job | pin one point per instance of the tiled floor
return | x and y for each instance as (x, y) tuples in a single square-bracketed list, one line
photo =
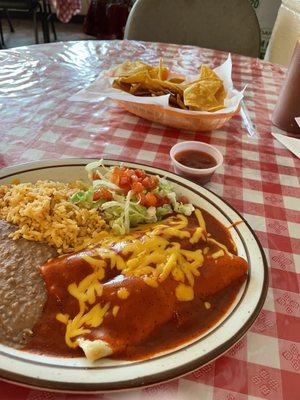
[(24, 33)]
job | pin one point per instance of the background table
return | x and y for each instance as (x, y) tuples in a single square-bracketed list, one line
[(259, 177), (65, 9)]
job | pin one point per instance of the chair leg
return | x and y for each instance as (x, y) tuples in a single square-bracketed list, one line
[(1, 35), (51, 21), (9, 22), (43, 14), (35, 25)]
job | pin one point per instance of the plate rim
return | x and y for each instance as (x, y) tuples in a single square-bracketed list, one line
[(170, 373)]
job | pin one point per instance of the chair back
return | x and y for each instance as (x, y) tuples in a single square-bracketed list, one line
[(229, 25), (18, 4)]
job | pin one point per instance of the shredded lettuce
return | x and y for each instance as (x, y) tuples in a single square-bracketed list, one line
[(98, 183), (92, 166), (139, 214), (163, 211), (164, 186), (172, 197), (83, 198), (127, 211), (110, 204), (122, 216), (118, 226), (185, 209), (78, 197), (151, 213)]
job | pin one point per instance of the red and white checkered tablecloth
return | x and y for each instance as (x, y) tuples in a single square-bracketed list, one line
[(65, 9), (260, 178)]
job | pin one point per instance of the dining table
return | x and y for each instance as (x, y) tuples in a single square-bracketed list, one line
[(259, 178)]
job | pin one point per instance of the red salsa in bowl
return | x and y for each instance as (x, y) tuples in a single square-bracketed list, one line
[(195, 160)]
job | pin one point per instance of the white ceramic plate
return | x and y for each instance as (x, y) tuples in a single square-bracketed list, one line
[(80, 375)]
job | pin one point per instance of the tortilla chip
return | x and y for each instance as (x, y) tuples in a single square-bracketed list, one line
[(176, 80), (128, 68), (208, 73), (201, 96), (161, 72), (138, 77)]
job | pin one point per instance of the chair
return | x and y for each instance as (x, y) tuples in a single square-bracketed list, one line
[(31, 6), (229, 25), (48, 17)]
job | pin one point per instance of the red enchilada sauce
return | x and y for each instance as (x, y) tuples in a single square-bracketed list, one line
[(177, 322), (195, 159)]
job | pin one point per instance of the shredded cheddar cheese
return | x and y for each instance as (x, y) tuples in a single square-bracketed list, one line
[(151, 255), (152, 252), (115, 310), (222, 246), (205, 250), (93, 261), (123, 293), (184, 292), (85, 292), (200, 219), (151, 281), (218, 254), (196, 235), (82, 322), (90, 241), (64, 318)]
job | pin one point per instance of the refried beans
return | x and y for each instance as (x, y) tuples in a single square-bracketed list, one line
[(22, 289)]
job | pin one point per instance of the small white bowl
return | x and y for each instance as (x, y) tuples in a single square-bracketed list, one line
[(201, 175)]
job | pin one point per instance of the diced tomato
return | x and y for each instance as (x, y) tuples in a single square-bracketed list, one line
[(135, 178), (183, 199), (142, 199), (151, 200), (117, 170), (97, 195), (154, 181), (124, 182), (146, 183), (166, 200), (159, 200), (102, 194), (140, 173), (129, 172), (137, 187), (96, 175), (106, 194), (147, 200), (115, 177), (150, 182)]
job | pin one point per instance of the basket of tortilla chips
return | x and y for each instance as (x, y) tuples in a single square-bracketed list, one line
[(196, 103)]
